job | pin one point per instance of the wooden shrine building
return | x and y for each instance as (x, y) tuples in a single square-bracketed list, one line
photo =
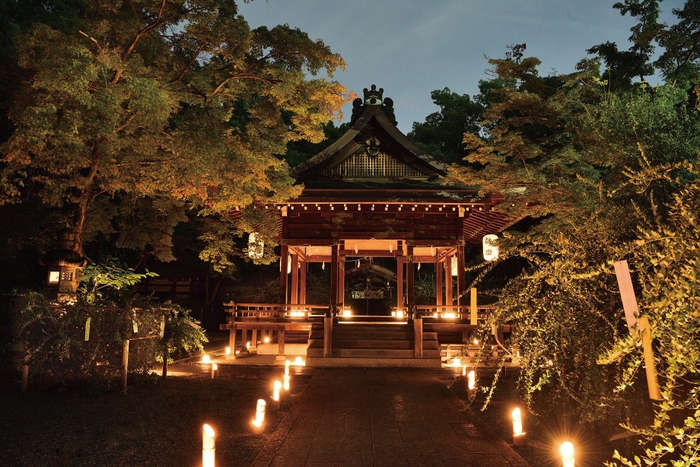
[(374, 208)]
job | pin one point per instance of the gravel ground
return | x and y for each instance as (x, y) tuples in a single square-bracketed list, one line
[(156, 423)]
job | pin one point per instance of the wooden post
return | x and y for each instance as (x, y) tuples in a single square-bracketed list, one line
[(448, 280), (410, 279), (341, 281), (629, 304), (473, 308), (418, 338), (439, 271), (295, 280), (399, 282), (460, 275), (328, 336), (334, 278), (244, 339), (125, 363), (280, 342), (284, 286), (302, 282), (232, 341)]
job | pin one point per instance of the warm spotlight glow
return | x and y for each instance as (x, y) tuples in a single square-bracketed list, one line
[(476, 341), (259, 413), (299, 361), (464, 370), (347, 313), (208, 446), (277, 386), (449, 315), (471, 380), (457, 363), (228, 350), (400, 314), (266, 340), (206, 359), (247, 345), (517, 422), (567, 454)]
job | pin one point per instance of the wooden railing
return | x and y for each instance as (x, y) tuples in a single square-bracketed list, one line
[(274, 311), (451, 312), (277, 311)]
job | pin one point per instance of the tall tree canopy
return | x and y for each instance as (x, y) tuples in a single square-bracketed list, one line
[(609, 169), (150, 107)]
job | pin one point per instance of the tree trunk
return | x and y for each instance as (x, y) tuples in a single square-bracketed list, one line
[(165, 361)]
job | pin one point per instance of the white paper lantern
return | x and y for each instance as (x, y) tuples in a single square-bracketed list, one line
[(490, 244)]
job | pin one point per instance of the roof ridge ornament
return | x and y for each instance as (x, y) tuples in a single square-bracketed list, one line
[(373, 96)]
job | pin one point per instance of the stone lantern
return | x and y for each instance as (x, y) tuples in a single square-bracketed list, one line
[(64, 267)]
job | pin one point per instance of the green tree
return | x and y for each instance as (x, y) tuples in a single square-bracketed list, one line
[(442, 132), (175, 102), (590, 166)]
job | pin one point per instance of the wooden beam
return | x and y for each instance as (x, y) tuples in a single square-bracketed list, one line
[(302, 283), (284, 254)]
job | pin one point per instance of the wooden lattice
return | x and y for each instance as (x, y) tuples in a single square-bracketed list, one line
[(362, 165)]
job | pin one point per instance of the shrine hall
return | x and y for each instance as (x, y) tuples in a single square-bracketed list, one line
[(374, 209)]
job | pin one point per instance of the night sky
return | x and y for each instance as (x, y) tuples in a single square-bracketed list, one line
[(412, 47)]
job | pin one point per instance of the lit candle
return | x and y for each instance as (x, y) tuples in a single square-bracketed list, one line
[(471, 380), (517, 422), (286, 367), (214, 370), (567, 454), (286, 382), (208, 446), (228, 350), (259, 413), (276, 391)]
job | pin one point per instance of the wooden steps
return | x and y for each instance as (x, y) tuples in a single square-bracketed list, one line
[(372, 344)]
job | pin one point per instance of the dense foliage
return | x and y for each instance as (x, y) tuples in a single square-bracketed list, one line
[(141, 114), (604, 166)]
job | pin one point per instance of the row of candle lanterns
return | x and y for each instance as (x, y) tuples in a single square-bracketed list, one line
[(566, 450), (208, 434)]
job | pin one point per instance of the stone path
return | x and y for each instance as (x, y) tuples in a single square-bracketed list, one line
[(382, 417)]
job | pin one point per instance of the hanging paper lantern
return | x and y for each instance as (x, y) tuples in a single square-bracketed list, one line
[(490, 244)]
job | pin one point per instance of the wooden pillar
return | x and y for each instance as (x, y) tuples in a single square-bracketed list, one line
[(460, 276), (244, 339), (302, 282), (473, 308), (254, 338), (340, 300), (125, 363), (418, 338), (232, 341), (399, 282), (284, 286), (448, 280), (294, 299), (280, 341), (410, 279), (327, 336), (334, 278), (439, 271)]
